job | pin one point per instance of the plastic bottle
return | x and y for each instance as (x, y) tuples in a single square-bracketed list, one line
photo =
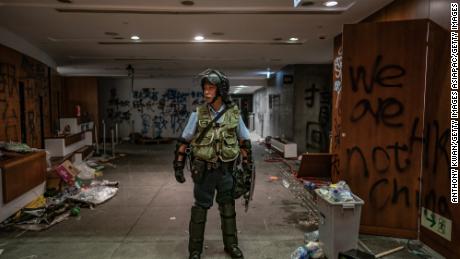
[(335, 194)]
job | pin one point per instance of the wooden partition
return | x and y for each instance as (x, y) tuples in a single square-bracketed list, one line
[(436, 152), (391, 130), (382, 103), (81, 91)]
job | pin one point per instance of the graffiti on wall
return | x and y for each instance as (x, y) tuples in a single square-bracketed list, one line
[(395, 159), (317, 130), (8, 116), (158, 111), (338, 71), (33, 69), (7, 79)]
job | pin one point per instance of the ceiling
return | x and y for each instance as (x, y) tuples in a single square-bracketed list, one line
[(242, 37)]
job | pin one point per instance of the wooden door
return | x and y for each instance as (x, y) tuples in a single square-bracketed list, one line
[(383, 89)]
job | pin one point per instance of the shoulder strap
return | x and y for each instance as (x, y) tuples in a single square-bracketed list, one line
[(201, 136)]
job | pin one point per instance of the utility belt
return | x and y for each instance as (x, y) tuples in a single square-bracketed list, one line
[(208, 166), (200, 168)]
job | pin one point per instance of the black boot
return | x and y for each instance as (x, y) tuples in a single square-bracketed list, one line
[(196, 231), (228, 221)]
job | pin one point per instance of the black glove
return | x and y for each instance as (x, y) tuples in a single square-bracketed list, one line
[(179, 171)]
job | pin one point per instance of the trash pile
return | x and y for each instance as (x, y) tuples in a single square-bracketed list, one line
[(81, 183), (338, 192), (312, 183), (312, 248), (77, 186)]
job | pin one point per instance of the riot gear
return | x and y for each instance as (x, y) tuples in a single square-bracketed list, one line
[(218, 79), (213, 140)]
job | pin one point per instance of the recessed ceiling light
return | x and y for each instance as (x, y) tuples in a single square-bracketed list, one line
[(65, 1), (188, 3), (135, 37), (199, 37), (293, 39), (330, 3), (322, 37), (118, 38), (217, 33), (277, 39)]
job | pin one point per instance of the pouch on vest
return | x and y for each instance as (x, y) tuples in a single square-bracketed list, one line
[(198, 170)]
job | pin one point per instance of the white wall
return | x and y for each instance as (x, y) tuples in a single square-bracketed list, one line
[(302, 112), (278, 120), (162, 109)]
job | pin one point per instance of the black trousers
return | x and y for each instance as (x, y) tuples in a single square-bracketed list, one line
[(218, 178)]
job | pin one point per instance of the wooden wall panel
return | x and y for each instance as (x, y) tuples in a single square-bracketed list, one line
[(84, 92), (56, 100), (401, 10), (384, 74), (32, 113), (35, 76), (16, 67), (436, 152), (10, 127)]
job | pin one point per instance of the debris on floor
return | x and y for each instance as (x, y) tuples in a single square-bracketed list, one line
[(311, 223), (311, 236), (95, 194), (40, 214), (310, 250), (85, 172), (272, 178), (78, 187)]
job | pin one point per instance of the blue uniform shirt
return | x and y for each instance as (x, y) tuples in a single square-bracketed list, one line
[(190, 128)]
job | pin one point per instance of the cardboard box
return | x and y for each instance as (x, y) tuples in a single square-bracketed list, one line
[(67, 172)]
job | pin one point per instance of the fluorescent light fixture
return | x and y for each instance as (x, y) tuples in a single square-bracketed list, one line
[(268, 73), (135, 37), (293, 39), (330, 3), (199, 37)]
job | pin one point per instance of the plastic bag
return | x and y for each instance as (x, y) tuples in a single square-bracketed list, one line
[(315, 250), (86, 172), (300, 253), (311, 236)]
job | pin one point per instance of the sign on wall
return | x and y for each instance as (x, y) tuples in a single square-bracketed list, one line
[(436, 223)]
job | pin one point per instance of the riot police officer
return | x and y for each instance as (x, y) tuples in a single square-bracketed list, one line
[(217, 138)]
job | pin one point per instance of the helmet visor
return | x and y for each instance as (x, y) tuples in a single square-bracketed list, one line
[(211, 77)]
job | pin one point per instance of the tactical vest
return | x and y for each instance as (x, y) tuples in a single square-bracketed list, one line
[(220, 142)]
